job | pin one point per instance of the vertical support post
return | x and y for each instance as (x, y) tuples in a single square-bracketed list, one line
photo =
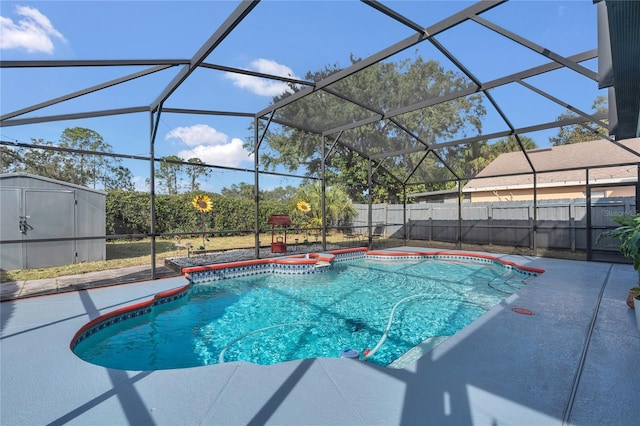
[(386, 215), (588, 191), (490, 222), (256, 188), (572, 225), (535, 214), (459, 214), (152, 187), (530, 220), (404, 214), (637, 191), (369, 201), (323, 199)]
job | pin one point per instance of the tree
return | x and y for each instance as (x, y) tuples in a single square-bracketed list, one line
[(86, 168), (385, 87), (168, 174), (48, 163), (474, 157), (245, 191), (171, 171), (338, 206), (239, 190), (119, 178), (195, 172), (44, 158), (511, 144), (279, 193), (577, 133), (10, 159)]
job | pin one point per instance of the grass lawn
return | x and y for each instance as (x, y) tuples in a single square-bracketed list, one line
[(124, 253)]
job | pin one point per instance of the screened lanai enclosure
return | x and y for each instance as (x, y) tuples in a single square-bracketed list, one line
[(494, 125)]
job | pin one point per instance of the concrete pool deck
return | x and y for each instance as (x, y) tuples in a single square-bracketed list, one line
[(575, 361)]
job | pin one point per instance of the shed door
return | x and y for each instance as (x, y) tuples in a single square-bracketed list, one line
[(50, 214), (11, 255)]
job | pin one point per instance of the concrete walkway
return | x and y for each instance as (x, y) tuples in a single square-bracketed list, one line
[(11, 290), (575, 361)]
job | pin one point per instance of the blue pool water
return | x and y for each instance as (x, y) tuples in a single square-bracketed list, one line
[(271, 318)]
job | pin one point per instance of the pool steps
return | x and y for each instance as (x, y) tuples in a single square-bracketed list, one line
[(506, 283), (296, 264), (417, 352)]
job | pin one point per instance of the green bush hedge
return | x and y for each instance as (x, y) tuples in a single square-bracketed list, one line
[(129, 212)]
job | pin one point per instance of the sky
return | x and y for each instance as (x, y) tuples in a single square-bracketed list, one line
[(288, 38)]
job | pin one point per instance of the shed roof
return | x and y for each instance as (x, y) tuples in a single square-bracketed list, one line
[(46, 179)]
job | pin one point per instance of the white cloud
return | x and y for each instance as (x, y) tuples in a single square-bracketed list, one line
[(230, 155), (33, 31), (262, 86), (211, 146), (198, 134)]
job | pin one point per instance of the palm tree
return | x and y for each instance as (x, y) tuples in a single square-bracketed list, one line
[(338, 205)]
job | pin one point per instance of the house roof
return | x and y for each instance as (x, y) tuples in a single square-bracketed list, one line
[(512, 170), (433, 193)]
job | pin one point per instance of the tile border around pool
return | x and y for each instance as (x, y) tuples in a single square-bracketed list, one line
[(445, 255), (288, 265), (127, 313)]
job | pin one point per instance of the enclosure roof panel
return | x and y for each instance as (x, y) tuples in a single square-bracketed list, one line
[(386, 80)]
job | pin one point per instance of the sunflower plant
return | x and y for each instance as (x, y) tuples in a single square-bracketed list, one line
[(303, 206), (304, 217), (203, 204)]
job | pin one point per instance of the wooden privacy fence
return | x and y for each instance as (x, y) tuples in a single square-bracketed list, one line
[(560, 224)]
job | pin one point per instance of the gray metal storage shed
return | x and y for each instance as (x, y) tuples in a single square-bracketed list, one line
[(34, 209)]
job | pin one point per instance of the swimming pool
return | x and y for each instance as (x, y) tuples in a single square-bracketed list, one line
[(377, 305)]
